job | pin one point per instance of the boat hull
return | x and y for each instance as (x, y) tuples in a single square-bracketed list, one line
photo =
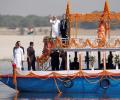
[(80, 85)]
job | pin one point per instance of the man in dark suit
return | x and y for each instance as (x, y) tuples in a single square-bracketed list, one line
[(75, 64), (55, 60), (64, 27), (31, 56)]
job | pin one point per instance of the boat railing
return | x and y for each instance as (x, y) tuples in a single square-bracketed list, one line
[(44, 66), (93, 58), (88, 42), (89, 59), (86, 49)]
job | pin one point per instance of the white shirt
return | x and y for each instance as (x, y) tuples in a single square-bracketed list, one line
[(18, 57), (55, 27)]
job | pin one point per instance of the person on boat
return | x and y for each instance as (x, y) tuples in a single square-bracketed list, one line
[(55, 61), (87, 60), (23, 54), (110, 60), (31, 57), (55, 26), (18, 55), (75, 64), (63, 56), (64, 28)]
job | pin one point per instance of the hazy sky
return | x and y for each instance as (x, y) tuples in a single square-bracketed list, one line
[(53, 7)]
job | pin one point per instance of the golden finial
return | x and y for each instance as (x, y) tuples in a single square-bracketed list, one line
[(68, 8), (106, 10)]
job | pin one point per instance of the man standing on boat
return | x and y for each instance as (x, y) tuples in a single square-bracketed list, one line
[(75, 64), (55, 61), (31, 56), (55, 26), (18, 55), (63, 27), (23, 55)]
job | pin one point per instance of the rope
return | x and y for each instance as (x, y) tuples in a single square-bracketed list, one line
[(88, 75), (103, 74), (114, 78), (81, 73), (57, 86), (92, 82)]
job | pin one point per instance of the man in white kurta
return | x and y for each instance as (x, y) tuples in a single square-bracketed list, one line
[(18, 57), (55, 26)]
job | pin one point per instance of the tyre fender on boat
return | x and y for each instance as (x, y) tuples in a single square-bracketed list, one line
[(67, 82), (105, 83)]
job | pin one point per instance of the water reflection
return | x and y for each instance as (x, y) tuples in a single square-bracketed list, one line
[(65, 96)]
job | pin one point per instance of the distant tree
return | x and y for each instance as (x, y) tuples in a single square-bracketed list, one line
[(12, 21)]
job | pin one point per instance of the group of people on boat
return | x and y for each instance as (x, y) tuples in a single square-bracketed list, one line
[(18, 56), (58, 59), (59, 27)]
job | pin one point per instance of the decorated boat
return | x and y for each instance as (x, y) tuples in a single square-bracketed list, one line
[(95, 73)]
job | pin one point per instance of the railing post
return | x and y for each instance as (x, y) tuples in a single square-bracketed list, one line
[(99, 59), (104, 60), (68, 62), (80, 61), (87, 59)]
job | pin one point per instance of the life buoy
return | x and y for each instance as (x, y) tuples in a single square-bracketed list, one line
[(105, 83), (68, 83)]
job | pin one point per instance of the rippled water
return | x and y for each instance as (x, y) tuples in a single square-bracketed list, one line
[(72, 96)]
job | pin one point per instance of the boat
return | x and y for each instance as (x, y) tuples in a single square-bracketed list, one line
[(83, 80)]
